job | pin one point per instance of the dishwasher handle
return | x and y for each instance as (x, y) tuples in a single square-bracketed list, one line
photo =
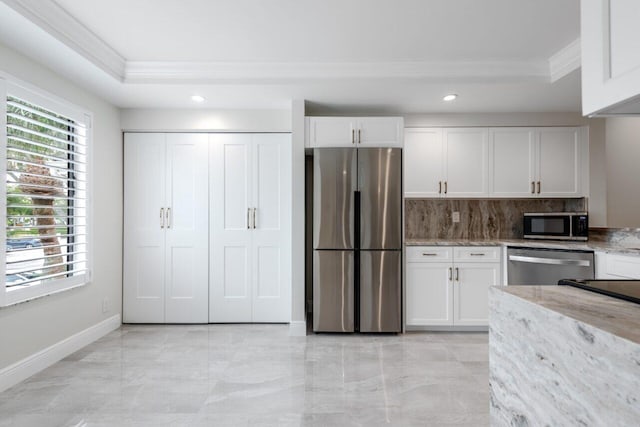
[(550, 261)]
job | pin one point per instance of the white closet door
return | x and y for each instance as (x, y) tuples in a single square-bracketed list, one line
[(144, 197), (187, 224), (271, 271), (230, 258)]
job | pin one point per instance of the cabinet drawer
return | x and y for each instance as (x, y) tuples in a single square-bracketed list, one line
[(623, 266), (429, 253), (477, 254)]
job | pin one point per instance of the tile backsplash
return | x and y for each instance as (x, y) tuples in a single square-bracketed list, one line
[(479, 218)]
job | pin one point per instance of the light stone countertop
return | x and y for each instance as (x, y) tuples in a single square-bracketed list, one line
[(550, 244), (614, 316)]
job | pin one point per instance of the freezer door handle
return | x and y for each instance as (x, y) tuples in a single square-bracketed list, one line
[(549, 261)]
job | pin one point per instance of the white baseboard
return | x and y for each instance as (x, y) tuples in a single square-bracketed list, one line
[(23, 369), (298, 328)]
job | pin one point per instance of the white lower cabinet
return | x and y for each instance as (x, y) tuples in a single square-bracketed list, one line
[(165, 274), (449, 286), (616, 266), (250, 221)]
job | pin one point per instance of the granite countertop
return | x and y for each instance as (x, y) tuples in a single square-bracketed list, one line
[(552, 244), (615, 316)]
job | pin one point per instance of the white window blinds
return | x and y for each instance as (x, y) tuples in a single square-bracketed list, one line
[(46, 197)]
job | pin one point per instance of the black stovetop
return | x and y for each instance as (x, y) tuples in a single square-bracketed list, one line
[(628, 290)]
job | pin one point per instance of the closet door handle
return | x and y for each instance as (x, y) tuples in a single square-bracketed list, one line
[(255, 218), (161, 217), (168, 217), (248, 218)]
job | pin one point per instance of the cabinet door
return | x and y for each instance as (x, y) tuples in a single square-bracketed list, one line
[(466, 165), (429, 300), (380, 131), (423, 163), (471, 292), (332, 132), (231, 254), (187, 229), (144, 234), (271, 222), (559, 162), (511, 162), (610, 38)]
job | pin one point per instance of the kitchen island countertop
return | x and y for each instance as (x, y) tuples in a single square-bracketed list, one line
[(563, 356)]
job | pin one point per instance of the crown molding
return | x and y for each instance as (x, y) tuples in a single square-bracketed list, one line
[(57, 22), (254, 72), (565, 61)]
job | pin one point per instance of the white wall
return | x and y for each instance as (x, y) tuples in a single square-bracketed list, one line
[(161, 120), (32, 326), (623, 171)]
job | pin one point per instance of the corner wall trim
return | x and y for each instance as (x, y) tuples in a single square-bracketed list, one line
[(298, 328), (30, 365)]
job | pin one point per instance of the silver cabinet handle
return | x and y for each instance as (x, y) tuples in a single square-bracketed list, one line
[(353, 136), (255, 218), (550, 261), (428, 254), (359, 138), (450, 273), (533, 187), (439, 187), (248, 218), (478, 254), (538, 187), (445, 187), (457, 274), (168, 217), (161, 217)]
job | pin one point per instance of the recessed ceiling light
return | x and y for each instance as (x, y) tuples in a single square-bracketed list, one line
[(450, 97), (197, 98)]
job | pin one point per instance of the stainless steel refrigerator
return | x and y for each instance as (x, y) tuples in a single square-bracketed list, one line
[(357, 240)]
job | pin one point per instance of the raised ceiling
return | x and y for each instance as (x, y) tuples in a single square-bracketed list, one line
[(400, 55)]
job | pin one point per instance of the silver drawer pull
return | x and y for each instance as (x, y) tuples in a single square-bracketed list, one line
[(472, 254), (428, 254)]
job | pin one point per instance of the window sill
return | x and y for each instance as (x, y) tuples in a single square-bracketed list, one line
[(20, 294)]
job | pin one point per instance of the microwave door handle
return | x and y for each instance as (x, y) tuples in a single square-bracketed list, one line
[(549, 261)]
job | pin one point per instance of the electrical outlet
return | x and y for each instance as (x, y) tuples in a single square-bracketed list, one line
[(455, 217), (105, 305)]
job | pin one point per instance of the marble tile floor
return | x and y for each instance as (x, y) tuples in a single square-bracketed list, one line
[(257, 375)]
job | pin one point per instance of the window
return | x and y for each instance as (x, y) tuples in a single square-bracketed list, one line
[(45, 166)]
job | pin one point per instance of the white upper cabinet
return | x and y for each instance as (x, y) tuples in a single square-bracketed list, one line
[(449, 162), (536, 162), (466, 162), (610, 38), (355, 132), (380, 131), (559, 162), (423, 165), (512, 162)]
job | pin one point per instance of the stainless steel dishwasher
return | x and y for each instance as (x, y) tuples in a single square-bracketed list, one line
[(537, 266)]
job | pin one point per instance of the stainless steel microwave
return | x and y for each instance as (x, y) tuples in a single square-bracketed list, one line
[(556, 226)]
